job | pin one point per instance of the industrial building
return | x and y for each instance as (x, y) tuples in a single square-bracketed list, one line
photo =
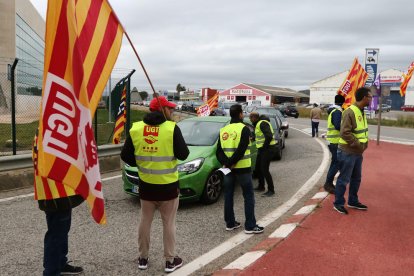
[(324, 91), (22, 32), (265, 95)]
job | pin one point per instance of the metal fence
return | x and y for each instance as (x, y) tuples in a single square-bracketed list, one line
[(20, 112)]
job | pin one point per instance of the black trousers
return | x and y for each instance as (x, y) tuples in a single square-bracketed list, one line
[(264, 157)]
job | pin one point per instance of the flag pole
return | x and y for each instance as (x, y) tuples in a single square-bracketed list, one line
[(139, 59)]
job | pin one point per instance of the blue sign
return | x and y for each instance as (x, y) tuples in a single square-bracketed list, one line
[(371, 70)]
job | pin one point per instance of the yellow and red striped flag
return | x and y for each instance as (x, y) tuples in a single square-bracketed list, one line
[(209, 106), (120, 119), (356, 78), (83, 39), (406, 79)]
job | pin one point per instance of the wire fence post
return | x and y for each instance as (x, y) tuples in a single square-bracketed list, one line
[(13, 105)]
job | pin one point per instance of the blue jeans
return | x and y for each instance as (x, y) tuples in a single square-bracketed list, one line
[(315, 129), (350, 170), (333, 168), (246, 183), (56, 241)]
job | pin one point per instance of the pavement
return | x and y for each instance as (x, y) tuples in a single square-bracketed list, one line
[(317, 240)]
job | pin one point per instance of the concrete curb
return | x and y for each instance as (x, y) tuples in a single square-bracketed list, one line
[(275, 238)]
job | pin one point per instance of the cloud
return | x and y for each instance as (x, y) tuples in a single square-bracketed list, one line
[(283, 43)]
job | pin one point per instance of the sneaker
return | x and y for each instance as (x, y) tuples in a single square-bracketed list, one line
[(71, 270), (358, 206), (176, 263), (329, 187), (341, 209), (235, 226), (256, 230), (268, 194), (142, 263), (259, 189)]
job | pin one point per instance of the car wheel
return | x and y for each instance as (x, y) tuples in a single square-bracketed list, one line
[(278, 153), (213, 188)]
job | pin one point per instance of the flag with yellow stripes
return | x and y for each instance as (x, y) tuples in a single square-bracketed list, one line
[(120, 118), (209, 106), (406, 79), (356, 78), (83, 39)]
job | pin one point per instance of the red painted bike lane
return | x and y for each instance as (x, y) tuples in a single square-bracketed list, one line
[(379, 241)]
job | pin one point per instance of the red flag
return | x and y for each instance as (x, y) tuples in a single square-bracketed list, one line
[(356, 78), (209, 106), (406, 79), (120, 119), (83, 39)]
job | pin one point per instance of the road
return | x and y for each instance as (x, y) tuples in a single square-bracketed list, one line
[(112, 249), (388, 134)]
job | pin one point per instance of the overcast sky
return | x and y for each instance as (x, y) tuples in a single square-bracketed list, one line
[(292, 44)]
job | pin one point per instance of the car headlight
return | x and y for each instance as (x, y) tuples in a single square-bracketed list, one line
[(191, 166)]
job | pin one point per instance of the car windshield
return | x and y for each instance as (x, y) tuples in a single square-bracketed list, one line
[(200, 133)]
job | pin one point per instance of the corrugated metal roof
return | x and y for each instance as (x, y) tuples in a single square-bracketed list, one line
[(278, 91)]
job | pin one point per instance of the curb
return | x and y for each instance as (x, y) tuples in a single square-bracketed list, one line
[(274, 239)]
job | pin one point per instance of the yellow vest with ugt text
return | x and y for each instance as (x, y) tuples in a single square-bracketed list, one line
[(154, 152), (230, 139), (260, 138), (361, 131), (333, 134)]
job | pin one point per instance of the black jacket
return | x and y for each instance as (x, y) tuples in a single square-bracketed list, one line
[(150, 191), (265, 128), (238, 154)]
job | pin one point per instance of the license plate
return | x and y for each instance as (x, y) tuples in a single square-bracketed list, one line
[(135, 189)]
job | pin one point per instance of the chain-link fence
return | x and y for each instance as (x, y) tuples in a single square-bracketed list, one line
[(21, 116)]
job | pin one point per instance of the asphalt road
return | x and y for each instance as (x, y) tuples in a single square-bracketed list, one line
[(112, 249)]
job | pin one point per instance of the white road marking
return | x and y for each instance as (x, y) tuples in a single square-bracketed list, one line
[(307, 209), (239, 238), (245, 260), (283, 231), (320, 195), (32, 194)]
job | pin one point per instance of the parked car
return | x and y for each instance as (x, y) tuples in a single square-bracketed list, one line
[(279, 137), (270, 112), (386, 107), (199, 179), (407, 108), (289, 110)]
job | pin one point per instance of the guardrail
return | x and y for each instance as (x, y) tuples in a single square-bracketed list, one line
[(24, 161)]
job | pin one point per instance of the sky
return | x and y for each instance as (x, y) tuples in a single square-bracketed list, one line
[(219, 44)]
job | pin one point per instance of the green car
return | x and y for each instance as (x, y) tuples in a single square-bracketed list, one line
[(199, 179)]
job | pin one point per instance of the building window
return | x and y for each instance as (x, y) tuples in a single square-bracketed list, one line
[(228, 97), (254, 97), (30, 52), (267, 98), (249, 98)]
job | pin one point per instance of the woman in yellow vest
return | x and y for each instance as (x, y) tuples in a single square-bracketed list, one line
[(353, 142), (233, 152), (154, 145)]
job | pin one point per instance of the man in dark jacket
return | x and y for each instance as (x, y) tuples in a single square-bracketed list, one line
[(154, 145), (266, 148), (233, 152)]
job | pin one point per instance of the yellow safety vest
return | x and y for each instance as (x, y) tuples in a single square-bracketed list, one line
[(333, 134), (361, 131), (154, 152), (260, 138), (230, 139)]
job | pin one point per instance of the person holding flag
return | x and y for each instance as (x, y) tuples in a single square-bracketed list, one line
[(82, 42), (154, 145)]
